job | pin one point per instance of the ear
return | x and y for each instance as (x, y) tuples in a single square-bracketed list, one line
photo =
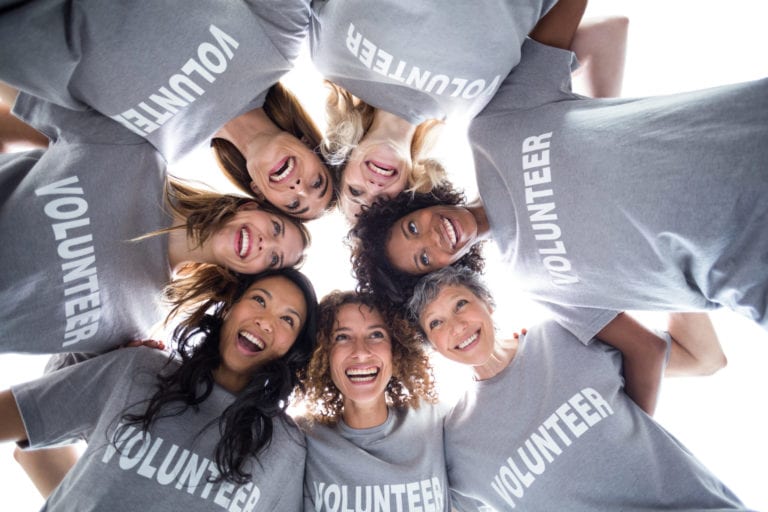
[(250, 205), (256, 192)]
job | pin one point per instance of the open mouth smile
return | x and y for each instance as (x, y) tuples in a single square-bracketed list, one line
[(362, 375), (450, 232), (468, 342), (249, 342), (243, 242), (282, 170), (380, 169)]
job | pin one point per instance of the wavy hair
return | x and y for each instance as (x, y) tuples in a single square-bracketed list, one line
[(246, 425), (412, 379), (368, 242), (288, 114), (350, 118)]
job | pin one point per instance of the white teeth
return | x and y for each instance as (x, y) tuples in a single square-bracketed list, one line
[(464, 344), (451, 232), (253, 340), (380, 170), (245, 239), (362, 374), (284, 171)]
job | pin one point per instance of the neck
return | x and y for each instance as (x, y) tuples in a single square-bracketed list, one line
[(365, 414), (477, 209), (247, 131), (503, 353), (182, 249)]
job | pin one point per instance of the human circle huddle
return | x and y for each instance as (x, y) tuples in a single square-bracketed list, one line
[(191, 354)]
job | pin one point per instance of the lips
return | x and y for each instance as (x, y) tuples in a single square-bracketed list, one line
[(469, 342), (450, 232), (362, 375), (243, 242), (249, 343), (380, 168), (282, 170)]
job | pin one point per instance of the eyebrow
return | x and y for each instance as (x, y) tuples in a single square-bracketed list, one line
[(290, 309), (325, 182)]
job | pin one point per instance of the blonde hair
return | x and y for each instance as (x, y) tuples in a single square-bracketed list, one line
[(412, 379), (350, 118), (284, 109)]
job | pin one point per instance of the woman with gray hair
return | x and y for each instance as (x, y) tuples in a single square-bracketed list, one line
[(569, 410)]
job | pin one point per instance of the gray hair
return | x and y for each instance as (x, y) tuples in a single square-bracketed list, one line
[(431, 284)]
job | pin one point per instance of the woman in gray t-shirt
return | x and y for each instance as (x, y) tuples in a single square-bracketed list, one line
[(208, 426), (370, 435)]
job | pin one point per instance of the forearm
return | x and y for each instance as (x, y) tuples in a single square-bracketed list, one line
[(696, 348), (11, 424), (643, 354), (600, 44)]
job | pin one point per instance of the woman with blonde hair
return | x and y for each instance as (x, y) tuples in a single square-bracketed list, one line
[(371, 423)]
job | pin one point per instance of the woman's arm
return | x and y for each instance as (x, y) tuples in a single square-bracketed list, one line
[(600, 44), (558, 27), (696, 349), (11, 424), (643, 353)]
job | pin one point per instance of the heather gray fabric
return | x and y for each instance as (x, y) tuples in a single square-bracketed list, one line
[(555, 431), (655, 203), (398, 465), (420, 60), (169, 468), (173, 71), (72, 280)]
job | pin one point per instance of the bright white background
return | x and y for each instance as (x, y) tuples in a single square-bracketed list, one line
[(673, 46)]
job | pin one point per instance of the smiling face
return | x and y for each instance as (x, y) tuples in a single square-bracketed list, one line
[(254, 240), (375, 168), (290, 176), (459, 325), (260, 327), (361, 356), (431, 238)]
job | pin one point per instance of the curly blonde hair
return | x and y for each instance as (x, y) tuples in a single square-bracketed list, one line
[(412, 378), (350, 118)]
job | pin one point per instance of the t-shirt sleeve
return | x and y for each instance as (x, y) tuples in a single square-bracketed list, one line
[(40, 47), (80, 126), (542, 76), (65, 405), (582, 322)]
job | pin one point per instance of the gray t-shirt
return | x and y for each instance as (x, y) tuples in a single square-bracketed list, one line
[(652, 203), (168, 469), (173, 71), (72, 281), (556, 431), (398, 465), (420, 60)]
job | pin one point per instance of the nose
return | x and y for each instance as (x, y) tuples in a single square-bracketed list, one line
[(456, 326), (296, 185), (265, 323), (360, 349)]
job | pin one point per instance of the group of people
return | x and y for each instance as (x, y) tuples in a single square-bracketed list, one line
[(271, 400)]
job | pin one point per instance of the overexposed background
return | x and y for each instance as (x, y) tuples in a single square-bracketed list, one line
[(673, 46)]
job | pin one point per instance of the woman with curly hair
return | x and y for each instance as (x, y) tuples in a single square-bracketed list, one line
[(370, 436), (391, 275), (178, 85), (206, 427)]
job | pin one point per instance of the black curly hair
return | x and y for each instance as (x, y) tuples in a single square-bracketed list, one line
[(368, 240)]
